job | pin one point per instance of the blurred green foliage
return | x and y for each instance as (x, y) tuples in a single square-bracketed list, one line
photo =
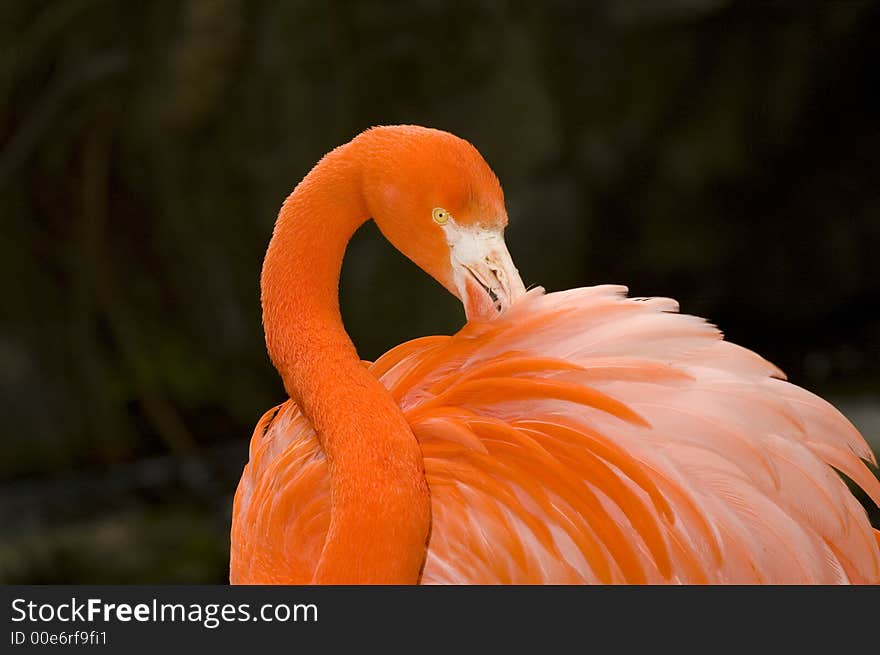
[(719, 152)]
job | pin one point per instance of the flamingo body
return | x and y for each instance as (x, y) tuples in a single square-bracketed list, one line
[(586, 437)]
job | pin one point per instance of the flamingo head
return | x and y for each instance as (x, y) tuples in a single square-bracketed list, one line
[(436, 200)]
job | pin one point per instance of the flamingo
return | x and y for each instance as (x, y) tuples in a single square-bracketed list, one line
[(572, 437)]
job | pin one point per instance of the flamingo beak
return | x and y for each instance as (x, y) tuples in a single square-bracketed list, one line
[(487, 281)]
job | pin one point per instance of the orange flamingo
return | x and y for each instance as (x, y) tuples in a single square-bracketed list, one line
[(572, 437)]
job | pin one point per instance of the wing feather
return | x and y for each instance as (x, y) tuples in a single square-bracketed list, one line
[(584, 436)]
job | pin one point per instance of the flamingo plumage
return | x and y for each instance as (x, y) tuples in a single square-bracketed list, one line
[(571, 437)]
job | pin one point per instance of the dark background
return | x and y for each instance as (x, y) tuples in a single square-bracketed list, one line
[(719, 153)]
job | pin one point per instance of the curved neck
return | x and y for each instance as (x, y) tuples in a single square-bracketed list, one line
[(380, 507)]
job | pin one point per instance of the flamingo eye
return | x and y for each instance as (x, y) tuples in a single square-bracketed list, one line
[(440, 215)]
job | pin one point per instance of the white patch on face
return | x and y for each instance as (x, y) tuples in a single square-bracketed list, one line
[(468, 244)]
